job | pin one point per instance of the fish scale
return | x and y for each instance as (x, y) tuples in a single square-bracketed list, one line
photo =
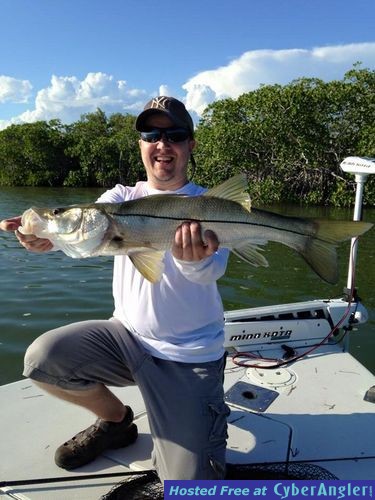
[(145, 228)]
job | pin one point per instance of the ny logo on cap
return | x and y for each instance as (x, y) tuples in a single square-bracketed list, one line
[(159, 102)]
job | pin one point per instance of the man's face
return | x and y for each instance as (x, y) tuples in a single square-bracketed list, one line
[(166, 163)]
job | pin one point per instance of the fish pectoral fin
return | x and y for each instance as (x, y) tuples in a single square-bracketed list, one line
[(149, 263), (233, 189), (250, 253)]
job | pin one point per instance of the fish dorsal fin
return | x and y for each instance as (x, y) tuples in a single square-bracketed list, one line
[(232, 189), (149, 263)]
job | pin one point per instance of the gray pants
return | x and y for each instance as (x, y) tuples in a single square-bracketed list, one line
[(184, 401)]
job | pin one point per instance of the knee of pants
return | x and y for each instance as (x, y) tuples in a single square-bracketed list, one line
[(41, 350)]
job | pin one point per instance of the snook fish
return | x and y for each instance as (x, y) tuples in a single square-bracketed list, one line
[(144, 229)]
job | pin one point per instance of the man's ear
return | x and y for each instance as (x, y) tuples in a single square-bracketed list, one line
[(192, 144)]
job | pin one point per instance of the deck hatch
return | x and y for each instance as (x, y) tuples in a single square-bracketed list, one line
[(249, 396)]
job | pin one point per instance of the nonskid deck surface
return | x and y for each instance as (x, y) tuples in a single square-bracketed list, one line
[(34, 424), (320, 402), (311, 412)]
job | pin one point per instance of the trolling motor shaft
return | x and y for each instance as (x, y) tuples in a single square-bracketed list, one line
[(361, 167)]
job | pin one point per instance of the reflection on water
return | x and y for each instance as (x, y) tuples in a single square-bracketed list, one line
[(41, 292)]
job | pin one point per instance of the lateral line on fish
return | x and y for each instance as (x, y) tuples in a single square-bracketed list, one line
[(214, 221)]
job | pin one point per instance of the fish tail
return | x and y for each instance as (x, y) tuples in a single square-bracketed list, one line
[(319, 251), (336, 231)]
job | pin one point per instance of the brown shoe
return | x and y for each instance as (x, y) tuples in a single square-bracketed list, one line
[(88, 444)]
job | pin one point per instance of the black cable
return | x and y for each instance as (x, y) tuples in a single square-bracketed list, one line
[(85, 477)]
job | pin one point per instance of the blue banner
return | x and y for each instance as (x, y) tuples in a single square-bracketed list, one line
[(270, 490)]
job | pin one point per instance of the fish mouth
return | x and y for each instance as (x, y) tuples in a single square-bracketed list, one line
[(33, 222), (43, 222)]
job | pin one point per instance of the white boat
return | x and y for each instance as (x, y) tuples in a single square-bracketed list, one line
[(301, 406)]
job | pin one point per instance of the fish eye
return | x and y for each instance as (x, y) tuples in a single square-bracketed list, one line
[(64, 220), (58, 211)]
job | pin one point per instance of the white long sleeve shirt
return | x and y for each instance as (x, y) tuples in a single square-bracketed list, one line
[(181, 317)]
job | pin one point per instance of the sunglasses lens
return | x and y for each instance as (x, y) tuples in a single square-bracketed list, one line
[(171, 134), (177, 135), (152, 136)]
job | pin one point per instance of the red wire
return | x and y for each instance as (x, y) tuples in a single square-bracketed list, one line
[(279, 362)]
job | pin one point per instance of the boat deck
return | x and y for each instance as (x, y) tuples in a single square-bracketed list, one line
[(313, 411)]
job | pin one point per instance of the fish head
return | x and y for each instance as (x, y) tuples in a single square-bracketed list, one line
[(44, 222), (78, 230)]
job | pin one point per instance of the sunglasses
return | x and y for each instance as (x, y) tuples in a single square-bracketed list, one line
[(171, 134)]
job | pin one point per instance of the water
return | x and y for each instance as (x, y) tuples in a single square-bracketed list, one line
[(40, 292)]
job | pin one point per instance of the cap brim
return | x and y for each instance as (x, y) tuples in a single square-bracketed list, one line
[(140, 123)]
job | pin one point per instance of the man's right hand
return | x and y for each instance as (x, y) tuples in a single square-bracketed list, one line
[(29, 241), (10, 224)]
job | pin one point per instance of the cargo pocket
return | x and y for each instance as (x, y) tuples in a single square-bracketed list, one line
[(219, 412)]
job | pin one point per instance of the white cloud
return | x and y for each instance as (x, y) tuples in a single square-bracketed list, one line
[(257, 67), (13, 90), (164, 90), (198, 96), (68, 97)]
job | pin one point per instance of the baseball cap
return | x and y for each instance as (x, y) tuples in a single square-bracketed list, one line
[(169, 106)]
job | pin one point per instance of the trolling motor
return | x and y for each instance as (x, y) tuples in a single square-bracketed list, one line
[(304, 323), (361, 167)]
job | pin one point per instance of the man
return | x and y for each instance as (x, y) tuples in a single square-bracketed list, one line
[(166, 337)]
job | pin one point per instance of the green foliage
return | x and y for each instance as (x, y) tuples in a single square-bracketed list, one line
[(95, 151), (105, 149), (33, 154), (289, 140)]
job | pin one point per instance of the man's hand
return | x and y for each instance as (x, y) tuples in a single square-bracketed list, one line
[(189, 245), (10, 224), (29, 241)]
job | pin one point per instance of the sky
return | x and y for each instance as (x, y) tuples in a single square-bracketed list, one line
[(63, 58)]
